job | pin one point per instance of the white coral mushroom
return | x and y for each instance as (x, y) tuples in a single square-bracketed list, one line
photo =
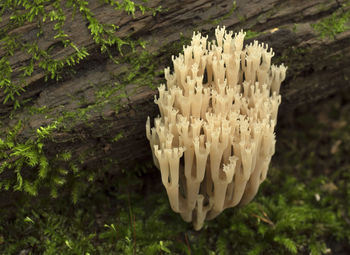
[(214, 140)]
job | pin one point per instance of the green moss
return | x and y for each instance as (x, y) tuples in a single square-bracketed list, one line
[(176, 47), (241, 18), (103, 35), (37, 110), (217, 21), (18, 155), (297, 59), (144, 69), (251, 34), (117, 137), (302, 208), (29, 169), (58, 173), (334, 24)]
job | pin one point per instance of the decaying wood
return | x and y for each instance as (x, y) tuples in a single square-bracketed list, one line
[(322, 68)]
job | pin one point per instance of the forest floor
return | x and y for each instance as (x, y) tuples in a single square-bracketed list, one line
[(302, 208)]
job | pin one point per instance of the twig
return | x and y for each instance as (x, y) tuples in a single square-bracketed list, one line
[(132, 221), (266, 220), (188, 244)]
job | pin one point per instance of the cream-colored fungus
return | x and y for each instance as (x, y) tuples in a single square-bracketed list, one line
[(214, 139)]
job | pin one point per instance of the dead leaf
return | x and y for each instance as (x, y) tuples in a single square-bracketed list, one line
[(329, 187), (335, 147)]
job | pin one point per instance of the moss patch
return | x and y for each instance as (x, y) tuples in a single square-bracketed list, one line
[(302, 208), (336, 23)]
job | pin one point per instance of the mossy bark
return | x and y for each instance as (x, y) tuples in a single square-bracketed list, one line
[(102, 100)]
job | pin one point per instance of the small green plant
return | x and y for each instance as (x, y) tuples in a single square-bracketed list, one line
[(16, 155)]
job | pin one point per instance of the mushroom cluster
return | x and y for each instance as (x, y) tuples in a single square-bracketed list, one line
[(214, 138)]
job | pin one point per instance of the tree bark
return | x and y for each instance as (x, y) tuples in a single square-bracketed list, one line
[(317, 68)]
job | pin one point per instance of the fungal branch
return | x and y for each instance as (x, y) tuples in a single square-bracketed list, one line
[(214, 139)]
